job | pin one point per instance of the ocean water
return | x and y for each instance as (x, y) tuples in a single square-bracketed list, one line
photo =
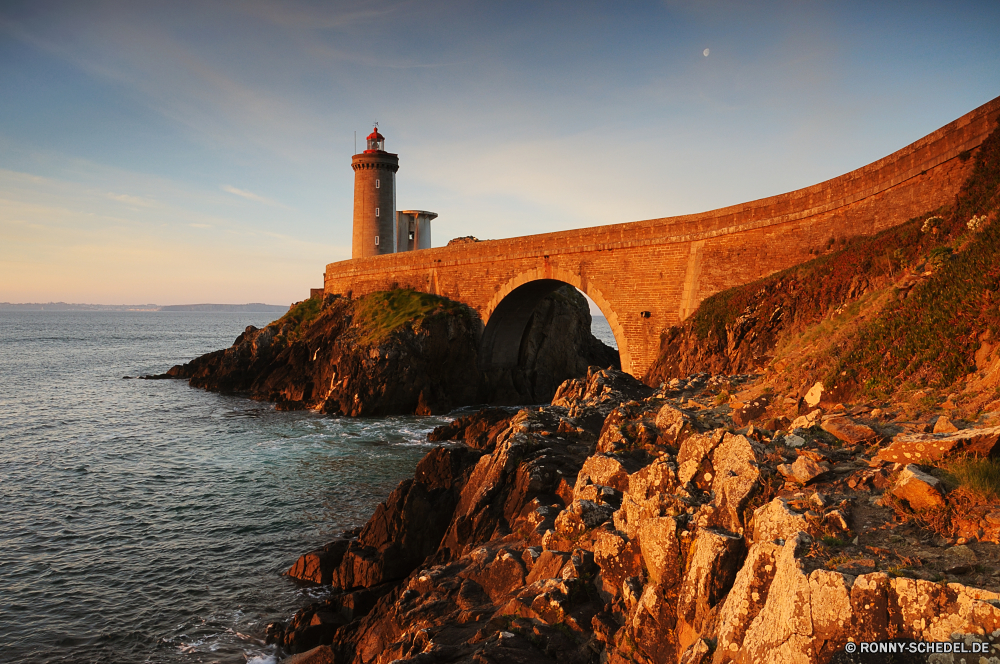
[(601, 329), (147, 521)]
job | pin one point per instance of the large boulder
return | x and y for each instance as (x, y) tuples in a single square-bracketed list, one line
[(920, 490), (847, 430), (546, 358), (929, 447)]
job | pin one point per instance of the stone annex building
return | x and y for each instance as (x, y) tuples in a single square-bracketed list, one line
[(645, 275)]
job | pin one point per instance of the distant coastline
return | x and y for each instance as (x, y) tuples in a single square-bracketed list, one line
[(253, 307)]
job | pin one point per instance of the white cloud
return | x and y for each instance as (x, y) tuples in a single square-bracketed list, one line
[(131, 200), (249, 195)]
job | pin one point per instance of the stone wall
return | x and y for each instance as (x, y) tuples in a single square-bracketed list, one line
[(648, 275)]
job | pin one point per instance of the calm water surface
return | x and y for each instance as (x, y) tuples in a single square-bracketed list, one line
[(146, 521)]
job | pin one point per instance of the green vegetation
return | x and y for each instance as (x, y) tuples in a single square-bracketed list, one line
[(299, 317), (931, 336), (980, 477), (380, 314), (869, 339), (833, 541)]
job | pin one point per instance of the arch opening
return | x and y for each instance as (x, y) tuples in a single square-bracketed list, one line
[(510, 333)]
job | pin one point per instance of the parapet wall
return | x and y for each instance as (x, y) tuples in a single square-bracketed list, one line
[(648, 275)]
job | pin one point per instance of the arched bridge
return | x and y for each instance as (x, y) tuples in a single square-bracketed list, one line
[(648, 275)]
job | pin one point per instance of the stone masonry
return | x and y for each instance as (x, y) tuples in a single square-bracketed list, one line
[(648, 275)]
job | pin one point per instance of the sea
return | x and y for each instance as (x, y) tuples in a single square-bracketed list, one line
[(148, 521)]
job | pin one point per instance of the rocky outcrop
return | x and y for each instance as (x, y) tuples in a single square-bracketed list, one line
[(556, 345), (397, 352), (626, 525), (340, 361)]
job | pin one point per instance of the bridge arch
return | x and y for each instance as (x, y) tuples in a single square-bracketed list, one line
[(507, 314)]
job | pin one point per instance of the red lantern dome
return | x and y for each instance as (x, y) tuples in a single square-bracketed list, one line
[(376, 142)]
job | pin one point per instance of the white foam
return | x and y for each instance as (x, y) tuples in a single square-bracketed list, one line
[(261, 659)]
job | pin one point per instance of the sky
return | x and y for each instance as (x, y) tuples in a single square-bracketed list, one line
[(177, 152)]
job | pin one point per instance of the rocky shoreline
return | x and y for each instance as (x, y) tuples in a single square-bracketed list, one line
[(623, 523), (398, 352)]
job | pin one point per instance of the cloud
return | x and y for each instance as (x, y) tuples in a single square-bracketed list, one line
[(131, 200), (248, 195)]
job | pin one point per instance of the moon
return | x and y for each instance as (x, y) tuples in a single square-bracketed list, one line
[(705, 52)]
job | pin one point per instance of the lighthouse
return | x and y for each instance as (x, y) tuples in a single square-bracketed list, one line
[(374, 199)]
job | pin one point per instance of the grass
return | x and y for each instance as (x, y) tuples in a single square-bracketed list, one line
[(299, 317), (932, 335), (375, 316), (980, 477), (833, 541), (863, 340), (380, 314)]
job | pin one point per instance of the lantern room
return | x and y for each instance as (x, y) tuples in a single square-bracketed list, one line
[(376, 142)]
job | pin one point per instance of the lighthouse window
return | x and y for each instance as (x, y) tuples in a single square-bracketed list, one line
[(376, 240), (376, 212), (376, 184), (411, 235)]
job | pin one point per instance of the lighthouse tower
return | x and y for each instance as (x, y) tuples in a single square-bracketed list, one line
[(374, 199)]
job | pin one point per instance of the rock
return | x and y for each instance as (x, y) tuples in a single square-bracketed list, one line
[(920, 490), (627, 428), (807, 421), (312, 627), (929, 447), (737, 474), (848, 430), (599, 392), (797, 617), (959, 560), (651, 492), (793, 441), (660, 549), (478, 430), (698, 652), (650, 627), (619, 559), (932, 612), (694, 453), (674, 425), (548, 566), (751, 411), (776, 521), (745, 600), (318, 566), (715, 558), (340, 362), (602, 470), (944, 425), (318, 655), (814, 395), (546, 360), (343, 360), (581, 516), (465, 239), (803, 470), (504, 573)]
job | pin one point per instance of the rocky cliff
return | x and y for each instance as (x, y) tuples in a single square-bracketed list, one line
[(397, 352), (622, 524)]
